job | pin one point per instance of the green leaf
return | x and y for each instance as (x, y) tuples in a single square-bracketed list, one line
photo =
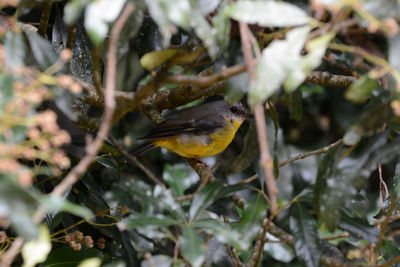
[(140, 220), (178, 178), (267, 13), (159, 261), (60, 204), (192, 246), (167, 13), (278, 60), (204, 31), (14, 50), (67, 257), (98, 16), (91, 262), (19, 205), (154, 59), (35, 251), (73, 10), (359, 227), (294, 102), (223, 232), (204, 198), (373, 118), (42, 50), (306, 241), (253, 214), (222, 27), (361, 89)]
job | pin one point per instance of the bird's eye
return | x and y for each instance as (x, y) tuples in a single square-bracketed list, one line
[(234, 109)]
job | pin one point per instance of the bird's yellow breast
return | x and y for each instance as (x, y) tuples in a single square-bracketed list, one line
[(196, 146)]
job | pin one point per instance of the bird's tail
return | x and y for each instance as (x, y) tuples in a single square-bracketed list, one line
[(140, 149)]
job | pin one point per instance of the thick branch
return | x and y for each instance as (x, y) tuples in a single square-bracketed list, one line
[(328, 79)]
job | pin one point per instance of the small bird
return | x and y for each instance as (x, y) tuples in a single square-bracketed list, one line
[(201, 131)]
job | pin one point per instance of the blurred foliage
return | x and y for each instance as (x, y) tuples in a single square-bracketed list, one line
[(342, 204)]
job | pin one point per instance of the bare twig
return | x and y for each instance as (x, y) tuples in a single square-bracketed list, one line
[(390, 263), (385, 224), (333, 237), (203, 171), (206, 81), (91, 149), (136, 162), (44, 20), (325, 78), (311, 153)]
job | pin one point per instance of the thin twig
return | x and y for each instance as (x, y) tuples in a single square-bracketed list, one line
[(205, 81), (385, 224), (136, 162), (390, 263), (337, 236), (91, 149), (311, 153), (44, 20)]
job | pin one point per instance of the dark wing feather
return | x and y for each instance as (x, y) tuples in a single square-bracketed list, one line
[(174, 127)]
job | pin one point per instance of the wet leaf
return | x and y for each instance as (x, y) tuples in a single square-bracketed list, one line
[(192, 246), (155, 59), (267, 13), (15, 50), (35, 251), (306, 241), (204, 198), (361, 90), (98, 16)]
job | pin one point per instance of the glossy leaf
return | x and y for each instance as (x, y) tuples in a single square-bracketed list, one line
[(98, 16), (155, 59), (52, 203), (73, 10), (359, 227), (279, 59), (192, 246), (177, 177), (361, 89), (267, 13), (159, 261), (252, 217), (42, 50), (67, 257), (204, 198), (139, 220), (306, 241), (222, 232), (15, 50), (91, 262), (35, 251)]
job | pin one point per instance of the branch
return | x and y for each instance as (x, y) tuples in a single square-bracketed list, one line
[(136, 162), (312, 153), (91, 149), (328, 79), (265, 157), (205, 81)]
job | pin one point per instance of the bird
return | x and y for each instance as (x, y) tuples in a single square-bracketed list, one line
[(200, 131)]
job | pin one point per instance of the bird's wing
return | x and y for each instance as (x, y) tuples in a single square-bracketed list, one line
[(173, 127)]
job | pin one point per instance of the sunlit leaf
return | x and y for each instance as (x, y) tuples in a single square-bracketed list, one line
[(177, 177), (15, 50), (35, 251), (91, 262), (267, 13), (73, 10), (306, 241), (204, 198), (192, 246), (361, 89), (252, 217), (223, 232), (279, 59), (98, 16), (155, 59), (59, 204)]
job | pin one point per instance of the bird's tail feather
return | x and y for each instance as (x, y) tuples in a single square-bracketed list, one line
[(140, 149)]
